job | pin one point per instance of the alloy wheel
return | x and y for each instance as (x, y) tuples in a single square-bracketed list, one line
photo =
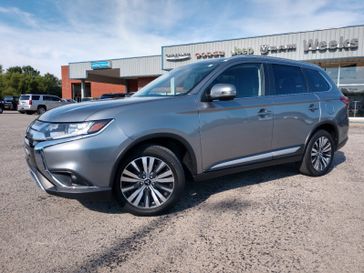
[(321, 153), (147, 182)]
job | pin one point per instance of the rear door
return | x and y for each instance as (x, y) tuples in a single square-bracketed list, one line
[(237, 131), (296, 110)]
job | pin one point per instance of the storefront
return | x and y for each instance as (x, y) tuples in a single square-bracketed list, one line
[(340, 51)]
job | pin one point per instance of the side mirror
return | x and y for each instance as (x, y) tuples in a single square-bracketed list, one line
[(223, 91)]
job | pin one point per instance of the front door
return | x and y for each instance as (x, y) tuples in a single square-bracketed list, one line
[(237, 131)]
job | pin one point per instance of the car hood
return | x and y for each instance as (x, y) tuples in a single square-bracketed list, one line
[(78, 112)]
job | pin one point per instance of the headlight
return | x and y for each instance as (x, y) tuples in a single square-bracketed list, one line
[(46, 131)]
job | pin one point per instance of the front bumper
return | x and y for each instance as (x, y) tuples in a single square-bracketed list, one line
[(76, 167), (47, 182)]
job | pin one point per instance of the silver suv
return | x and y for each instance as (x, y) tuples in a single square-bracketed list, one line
[(206, 119), (38, 103)]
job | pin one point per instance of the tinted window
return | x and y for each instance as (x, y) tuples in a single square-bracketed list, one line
[(245, 77), (50, 98), (316, 81), (24, 98), (35, 97), (288, 79)]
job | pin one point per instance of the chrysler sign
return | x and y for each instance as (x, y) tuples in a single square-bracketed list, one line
[(178, 57)]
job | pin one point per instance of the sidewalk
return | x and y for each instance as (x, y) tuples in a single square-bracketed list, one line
[(356, 120)]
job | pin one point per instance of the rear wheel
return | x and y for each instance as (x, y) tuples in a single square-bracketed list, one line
[(1, 110), (150, 181), (319, 154), (41, 110)]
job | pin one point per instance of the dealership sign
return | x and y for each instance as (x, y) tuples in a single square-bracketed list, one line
[(209, 55), (177, 57), (100, 65), (333, 45), (242, 51), (266, 49)]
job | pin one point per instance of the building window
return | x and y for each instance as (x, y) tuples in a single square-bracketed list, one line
[(350, 79)]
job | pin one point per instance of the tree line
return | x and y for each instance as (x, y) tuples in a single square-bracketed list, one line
[(18, 80)]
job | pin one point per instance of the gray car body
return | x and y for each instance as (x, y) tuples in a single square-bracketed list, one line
[(218, 136)]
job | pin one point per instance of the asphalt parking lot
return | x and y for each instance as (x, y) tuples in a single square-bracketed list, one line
[(267, 220)]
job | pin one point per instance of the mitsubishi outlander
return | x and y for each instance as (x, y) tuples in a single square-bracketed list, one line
[(205, 119)]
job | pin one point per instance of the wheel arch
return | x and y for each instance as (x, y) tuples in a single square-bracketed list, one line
[(328, 126), (43, 106), (175, 143)]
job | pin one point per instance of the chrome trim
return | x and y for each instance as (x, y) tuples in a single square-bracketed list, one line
[(35, 178), (285, 151), (256, 157)]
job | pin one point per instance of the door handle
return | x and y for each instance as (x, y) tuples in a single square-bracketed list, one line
[(263, 112), (312, 107)]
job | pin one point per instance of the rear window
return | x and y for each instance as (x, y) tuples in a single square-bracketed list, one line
[(24, 98), (288, 79), (316, 82)]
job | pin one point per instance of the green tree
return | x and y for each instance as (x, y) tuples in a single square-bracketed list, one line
[(28, 70), (14, 69), (21, 80)]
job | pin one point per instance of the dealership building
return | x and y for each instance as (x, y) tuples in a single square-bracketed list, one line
[(340, 51)]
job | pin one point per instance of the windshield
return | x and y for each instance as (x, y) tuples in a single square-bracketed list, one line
[(179, 81)]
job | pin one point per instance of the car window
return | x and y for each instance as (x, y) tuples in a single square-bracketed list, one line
[(35, 97), (288, 79), (316, 82), (50, 98), (24, 98), (245, 77)]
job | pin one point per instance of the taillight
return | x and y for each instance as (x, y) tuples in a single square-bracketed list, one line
[(30, 102), (345, 100)]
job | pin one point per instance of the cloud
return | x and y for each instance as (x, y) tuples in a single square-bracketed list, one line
[(78, 30), (26, 17)]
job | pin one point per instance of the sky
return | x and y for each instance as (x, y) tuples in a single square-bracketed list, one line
[(49, 33)]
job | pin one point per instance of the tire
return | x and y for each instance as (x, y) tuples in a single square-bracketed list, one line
[(29, 112), (319, 154), (1, 110), (41, 110), (150, 181)]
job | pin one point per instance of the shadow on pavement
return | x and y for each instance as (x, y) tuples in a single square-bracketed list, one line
[(195, 194), (198, 192)]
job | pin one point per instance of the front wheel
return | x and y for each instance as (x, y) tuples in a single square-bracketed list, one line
[(319, 154), (150, 181)]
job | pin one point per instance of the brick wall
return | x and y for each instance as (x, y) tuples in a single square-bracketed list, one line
[(98, 88)]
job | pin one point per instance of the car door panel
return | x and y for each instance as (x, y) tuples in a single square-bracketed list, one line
[(237, 128), (234, 129), (294, 117)]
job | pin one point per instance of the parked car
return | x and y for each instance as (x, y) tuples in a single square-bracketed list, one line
[(11, 102), (1, 106), (87, 99), (112, 96), (129, 94), (207, 119), (69, 101), (38, 103)]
